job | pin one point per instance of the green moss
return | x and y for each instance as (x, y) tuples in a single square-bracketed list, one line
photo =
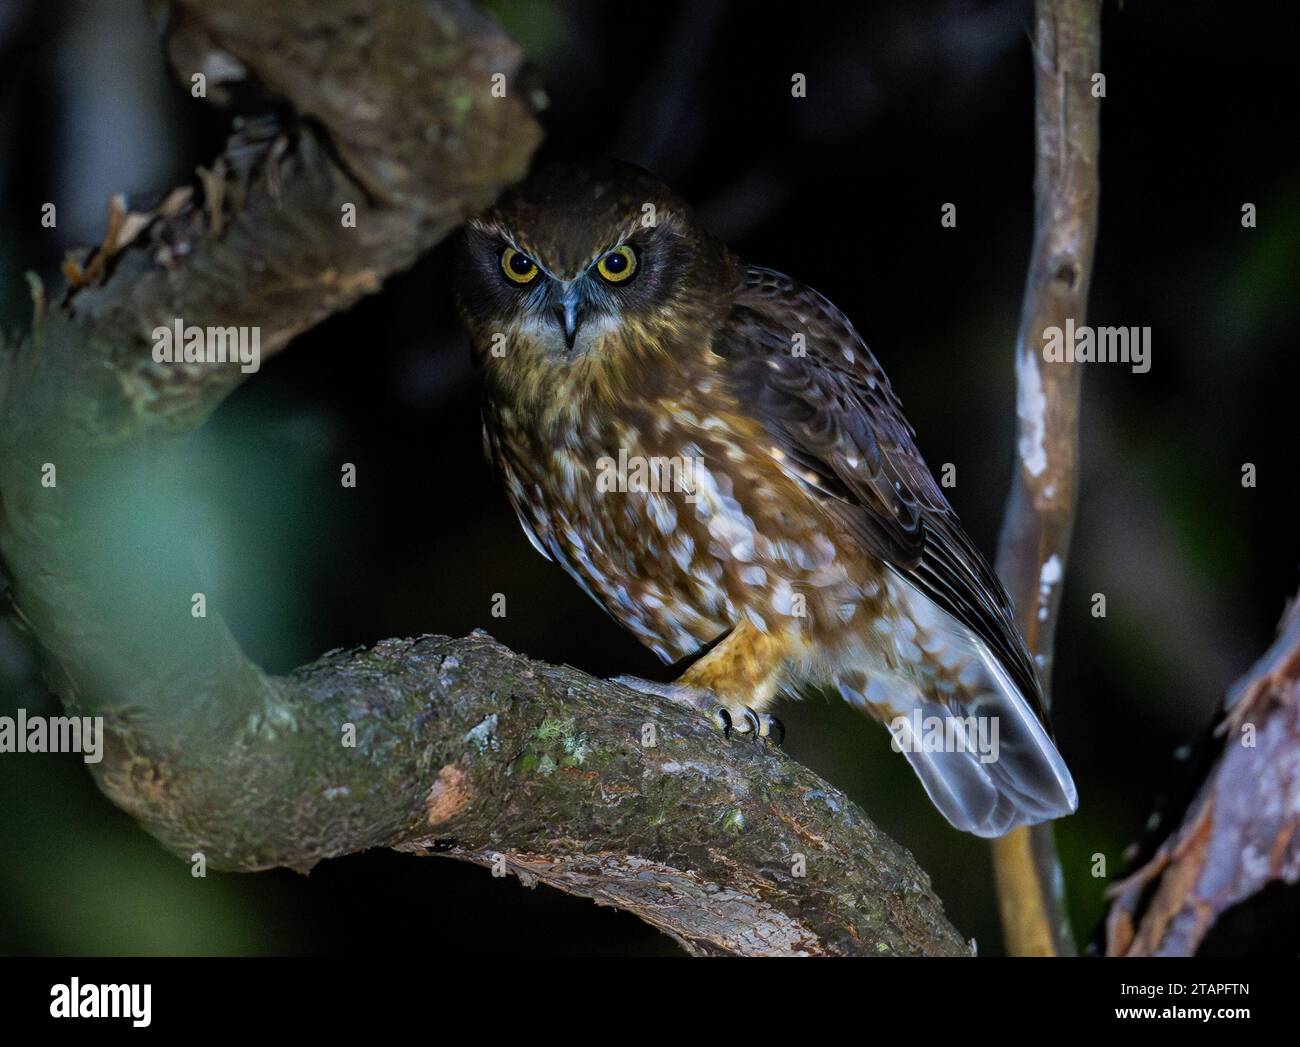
[(577, 746), (554, 728)]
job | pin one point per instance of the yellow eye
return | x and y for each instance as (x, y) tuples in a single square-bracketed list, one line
[(519, 268), (618, 266)]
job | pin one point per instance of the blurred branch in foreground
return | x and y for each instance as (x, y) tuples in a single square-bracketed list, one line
[(1241, 833), (1035, 539), (385, 135)]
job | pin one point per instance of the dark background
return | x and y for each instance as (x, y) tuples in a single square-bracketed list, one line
[(910, 105)]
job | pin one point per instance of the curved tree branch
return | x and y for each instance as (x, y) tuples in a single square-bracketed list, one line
[(466, 749), (433, 745)]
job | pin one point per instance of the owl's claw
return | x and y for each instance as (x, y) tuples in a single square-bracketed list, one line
[(695, 697), (772, 729), (743, 720), (763, 725)]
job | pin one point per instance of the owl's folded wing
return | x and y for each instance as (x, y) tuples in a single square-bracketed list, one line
[(795, 360)]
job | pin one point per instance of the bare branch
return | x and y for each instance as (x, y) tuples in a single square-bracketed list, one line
[(1036, 527)]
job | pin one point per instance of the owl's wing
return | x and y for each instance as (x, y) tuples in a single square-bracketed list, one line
[(828, 405)]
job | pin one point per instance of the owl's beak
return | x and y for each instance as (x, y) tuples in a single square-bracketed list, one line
[(569, 315)]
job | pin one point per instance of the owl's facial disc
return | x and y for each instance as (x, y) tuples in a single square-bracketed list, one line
[(569, 316), (587, 261)]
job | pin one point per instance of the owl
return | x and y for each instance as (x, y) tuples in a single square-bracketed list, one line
[(713, 454)]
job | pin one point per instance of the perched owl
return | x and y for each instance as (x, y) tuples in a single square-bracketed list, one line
[(714, 455)]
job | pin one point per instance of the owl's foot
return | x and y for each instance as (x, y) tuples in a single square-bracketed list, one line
[(759, 725), (771, 728), (739, 718)]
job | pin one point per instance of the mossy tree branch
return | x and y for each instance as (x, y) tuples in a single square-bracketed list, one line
[(461, 747)]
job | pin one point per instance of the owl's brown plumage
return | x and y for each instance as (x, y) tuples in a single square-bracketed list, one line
[(713, 453)]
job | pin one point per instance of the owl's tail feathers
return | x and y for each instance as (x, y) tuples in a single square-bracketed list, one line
[(981, 753)]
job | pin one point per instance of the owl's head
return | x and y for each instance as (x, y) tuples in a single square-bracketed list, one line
[(584, 264)]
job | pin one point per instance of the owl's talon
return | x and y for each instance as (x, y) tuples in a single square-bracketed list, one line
[(693, 697), (762, 725), (753, 725), (772, 729), (742, 720), (682, 694)]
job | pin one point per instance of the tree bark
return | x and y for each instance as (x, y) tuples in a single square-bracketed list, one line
[(1241, 833), (1035, 540)]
